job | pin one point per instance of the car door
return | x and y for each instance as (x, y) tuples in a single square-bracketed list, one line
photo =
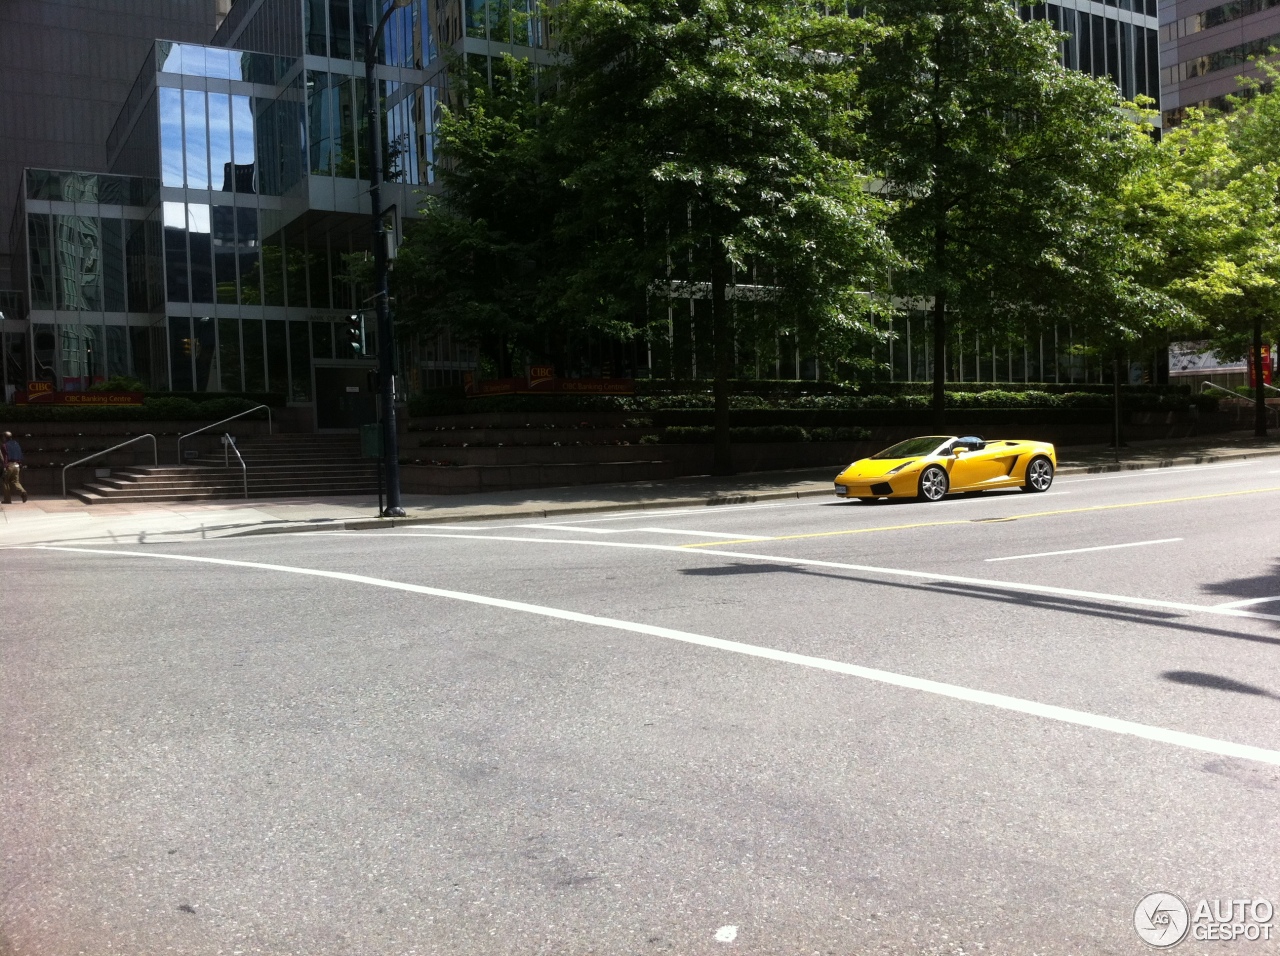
[(979, 468)]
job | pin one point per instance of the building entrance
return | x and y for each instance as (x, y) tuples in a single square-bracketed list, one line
[(344, 398)]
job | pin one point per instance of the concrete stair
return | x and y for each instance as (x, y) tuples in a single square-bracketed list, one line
[(278, 466)]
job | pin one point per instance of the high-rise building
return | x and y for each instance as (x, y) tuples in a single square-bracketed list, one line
[(1206, 47), (65, 68), (212, 250), (1117, 40), (205, 240)]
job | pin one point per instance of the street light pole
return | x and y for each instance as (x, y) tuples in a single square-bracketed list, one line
[(386, 335)]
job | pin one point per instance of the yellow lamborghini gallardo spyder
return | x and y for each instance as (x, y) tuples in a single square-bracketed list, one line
[(932, 467)]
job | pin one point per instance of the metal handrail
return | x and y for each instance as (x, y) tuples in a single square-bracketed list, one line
[(1251, 401), (229, 442), (223, 422), (155, 455)]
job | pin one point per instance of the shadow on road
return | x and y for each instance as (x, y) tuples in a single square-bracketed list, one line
[(1173, 620), (1216, 682)]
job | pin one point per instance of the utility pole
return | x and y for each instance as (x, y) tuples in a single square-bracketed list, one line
[(386, 334)]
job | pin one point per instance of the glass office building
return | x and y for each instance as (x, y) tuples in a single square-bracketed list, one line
[(213, 252)]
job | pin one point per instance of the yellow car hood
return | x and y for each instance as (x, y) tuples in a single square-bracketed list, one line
[(875, 467)]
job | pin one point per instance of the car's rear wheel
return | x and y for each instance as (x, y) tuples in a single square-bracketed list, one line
[(933, 484), (1039, 474)]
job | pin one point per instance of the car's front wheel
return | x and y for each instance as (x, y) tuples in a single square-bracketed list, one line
[(933, 484), (1039, 474)]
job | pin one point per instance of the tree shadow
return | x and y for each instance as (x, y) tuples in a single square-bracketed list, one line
[(1257, 586), (1080, 607), (1216, 682)]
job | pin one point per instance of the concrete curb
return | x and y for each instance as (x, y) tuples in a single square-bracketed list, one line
[(366, 524)]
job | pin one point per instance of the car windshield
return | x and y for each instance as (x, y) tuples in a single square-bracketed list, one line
[(913, 447)]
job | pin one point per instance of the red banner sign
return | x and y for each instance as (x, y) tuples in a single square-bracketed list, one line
[(77, 398), (1266, 367), (542, 381)]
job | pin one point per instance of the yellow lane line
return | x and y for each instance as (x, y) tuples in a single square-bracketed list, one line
[(1034, 514)]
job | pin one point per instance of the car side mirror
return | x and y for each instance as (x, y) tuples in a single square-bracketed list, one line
[(957, 451)]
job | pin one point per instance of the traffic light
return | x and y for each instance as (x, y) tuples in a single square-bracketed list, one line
[(355, 333)]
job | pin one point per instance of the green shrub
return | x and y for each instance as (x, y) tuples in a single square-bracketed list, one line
[(119, 383), (151, 410)]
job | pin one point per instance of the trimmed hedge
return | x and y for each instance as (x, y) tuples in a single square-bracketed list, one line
[(151, 410), (704, 434), (1133, 398)]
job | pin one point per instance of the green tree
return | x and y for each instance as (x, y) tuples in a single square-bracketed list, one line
[(1209, 202), (475, 259), (709, 140), (998, 157)]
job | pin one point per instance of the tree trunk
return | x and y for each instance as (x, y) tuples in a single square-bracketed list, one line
[(939, 360), (722, 345), (1117, 436), (1259, 386)]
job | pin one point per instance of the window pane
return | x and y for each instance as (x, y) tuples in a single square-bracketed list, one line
[(180, 349), (315, 25), (318, 277), (196, 131), (322, 340), (340, 29), (320, 113), (277, 358), (40, 249), (199, 227), (295, 269), (475, 18), (229, 354), (113, 284), (220, 142), (143, 359), (345, 159), (78, 262), (206, 355), (299, 362), (272, 271), (243, 154), (224, 253), (255, 378), (171, 137), (117, 348), (136, 263), (247, 247)]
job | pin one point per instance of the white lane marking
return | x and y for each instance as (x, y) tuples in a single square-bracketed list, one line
[(954, 691), (726, 934), (1154, 472), (647, 530), (1249, 602), (864, 568), (1101, 547), (563, 527), (704, 534)]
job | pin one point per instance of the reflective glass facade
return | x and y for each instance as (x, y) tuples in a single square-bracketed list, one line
[(1119, 41)]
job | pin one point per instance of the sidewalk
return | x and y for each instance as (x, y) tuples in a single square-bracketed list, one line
[(58, 521)]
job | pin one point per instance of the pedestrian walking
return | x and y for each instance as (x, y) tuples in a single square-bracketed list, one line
[(11, 456)]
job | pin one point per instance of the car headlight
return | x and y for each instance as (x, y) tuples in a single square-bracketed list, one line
[(894, 471)]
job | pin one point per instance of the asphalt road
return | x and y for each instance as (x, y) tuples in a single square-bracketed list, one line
[(989, 725)]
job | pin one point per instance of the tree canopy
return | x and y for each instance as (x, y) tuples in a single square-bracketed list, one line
[(1000, 160)]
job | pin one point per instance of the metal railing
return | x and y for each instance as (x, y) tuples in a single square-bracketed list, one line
[(223, 422), (229, 442), (1245, 398), (155, 455)]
